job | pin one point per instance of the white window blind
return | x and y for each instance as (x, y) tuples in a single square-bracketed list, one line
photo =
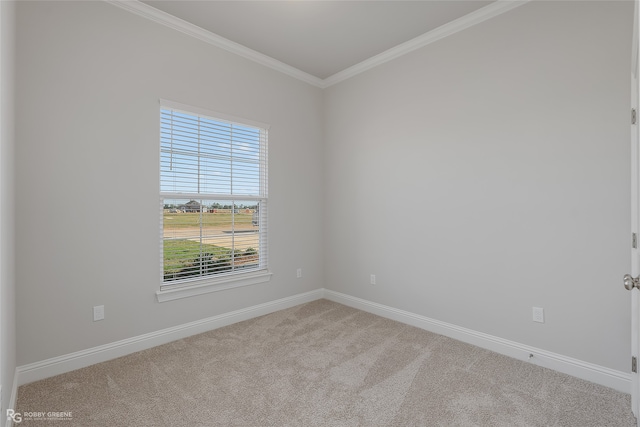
[(213, 191)]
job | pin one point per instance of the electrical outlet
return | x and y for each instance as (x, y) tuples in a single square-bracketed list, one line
[(98, 313), (299, 273), (538, 314), (373, 279)]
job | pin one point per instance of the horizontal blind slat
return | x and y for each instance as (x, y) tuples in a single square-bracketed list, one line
[(215, 163)]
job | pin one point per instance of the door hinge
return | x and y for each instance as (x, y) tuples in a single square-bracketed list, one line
[(634, 365), (634, 117), (634, 240)]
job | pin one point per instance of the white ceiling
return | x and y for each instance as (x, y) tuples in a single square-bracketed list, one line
[(320, 38)]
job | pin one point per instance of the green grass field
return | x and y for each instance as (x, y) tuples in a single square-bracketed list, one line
[(180, 254), (187, 220), (183, 257)]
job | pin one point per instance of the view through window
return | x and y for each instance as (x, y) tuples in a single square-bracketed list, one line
[(213, 191)]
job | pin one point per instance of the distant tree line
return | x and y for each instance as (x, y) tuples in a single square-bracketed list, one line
[(216, 206)]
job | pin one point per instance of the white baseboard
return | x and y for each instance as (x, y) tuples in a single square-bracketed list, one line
[(616, 380), (80, 359)]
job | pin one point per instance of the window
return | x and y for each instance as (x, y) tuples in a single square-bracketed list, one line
[(213, 195)]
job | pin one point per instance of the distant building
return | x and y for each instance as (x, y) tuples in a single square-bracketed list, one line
[(191, 206)]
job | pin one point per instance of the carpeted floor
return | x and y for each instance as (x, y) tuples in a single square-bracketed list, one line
[(321, 364)]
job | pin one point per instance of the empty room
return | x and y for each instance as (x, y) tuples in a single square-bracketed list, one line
[(319, 213)]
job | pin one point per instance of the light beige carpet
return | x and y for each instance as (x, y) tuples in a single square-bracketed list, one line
[(321, 364)]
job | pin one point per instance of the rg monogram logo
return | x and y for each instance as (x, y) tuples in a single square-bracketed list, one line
[(14, 416)]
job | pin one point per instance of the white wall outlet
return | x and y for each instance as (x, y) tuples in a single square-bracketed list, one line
[(299, 273), (98, 313), (373, 279), (538, 314)]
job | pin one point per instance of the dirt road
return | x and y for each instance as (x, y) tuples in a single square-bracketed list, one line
[(245, 237)]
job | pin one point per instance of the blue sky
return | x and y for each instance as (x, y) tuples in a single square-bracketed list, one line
[(200, 155)]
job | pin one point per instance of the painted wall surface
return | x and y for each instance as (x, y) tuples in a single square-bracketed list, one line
[(87, 168), (7, 141), (477, 177), (488, 173)]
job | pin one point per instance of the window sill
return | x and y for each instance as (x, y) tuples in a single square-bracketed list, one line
[(205, 286)]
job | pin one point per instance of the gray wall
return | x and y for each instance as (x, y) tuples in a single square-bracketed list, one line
[(88, 83), (7, 142), (488, 173), (477, 177)]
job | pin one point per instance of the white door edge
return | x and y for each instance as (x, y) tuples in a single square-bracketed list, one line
[(635, 214)]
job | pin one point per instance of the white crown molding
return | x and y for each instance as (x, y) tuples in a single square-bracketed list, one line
[(494, 9), (149, 12)]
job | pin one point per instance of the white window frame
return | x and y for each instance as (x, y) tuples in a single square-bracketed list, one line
[(183, 288)]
